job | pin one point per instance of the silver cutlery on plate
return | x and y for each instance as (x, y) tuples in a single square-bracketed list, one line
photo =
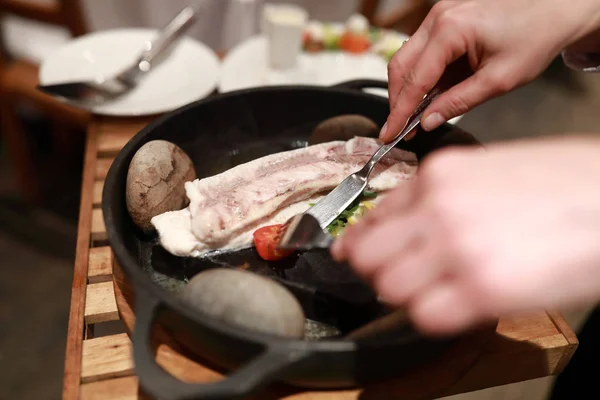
[(105, 88)]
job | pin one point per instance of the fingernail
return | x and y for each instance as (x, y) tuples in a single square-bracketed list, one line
[(410, 135), (433, 121), (383, 131)]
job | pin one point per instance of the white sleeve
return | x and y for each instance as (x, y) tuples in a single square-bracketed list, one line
[(582, 62)]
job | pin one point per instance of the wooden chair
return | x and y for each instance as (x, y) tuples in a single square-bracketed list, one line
[(18, 81), (405, 18)]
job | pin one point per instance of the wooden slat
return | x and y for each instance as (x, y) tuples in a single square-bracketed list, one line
[(116, 132), (75, 332), (98, 230), (120, 388), (100, 265), (536, 329), (524, 361), (106, 357), (111, 141), (569, 335), (122, 128), (97, 193), (101, 305), (563, 327), (102, 167), (525, 347), (127, 388)]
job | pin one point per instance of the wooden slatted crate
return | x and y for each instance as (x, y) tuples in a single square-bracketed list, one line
[(100, 367)]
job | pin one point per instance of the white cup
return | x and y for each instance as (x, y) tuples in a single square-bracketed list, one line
[(269, 8), (266, 9), (283, 25)]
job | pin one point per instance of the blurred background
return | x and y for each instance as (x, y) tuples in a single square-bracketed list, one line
[(41, 153)]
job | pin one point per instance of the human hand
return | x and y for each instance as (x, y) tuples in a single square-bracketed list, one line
[(478, 234), (508, 43)]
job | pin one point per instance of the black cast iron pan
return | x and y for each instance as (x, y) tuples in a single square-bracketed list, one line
[(218, 133)]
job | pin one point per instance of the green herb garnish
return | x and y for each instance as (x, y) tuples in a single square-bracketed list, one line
[(336, 227), (331, 39), (369, 195), (374, 34)]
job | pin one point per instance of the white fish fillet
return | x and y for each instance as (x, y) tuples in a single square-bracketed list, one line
[(225, 209)]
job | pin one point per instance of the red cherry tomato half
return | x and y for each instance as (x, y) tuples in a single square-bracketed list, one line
[(353, 43), (266, 240), (306, 38)]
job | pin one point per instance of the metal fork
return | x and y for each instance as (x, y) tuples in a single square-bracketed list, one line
[(330, 207), (306, 231), (104, 88)]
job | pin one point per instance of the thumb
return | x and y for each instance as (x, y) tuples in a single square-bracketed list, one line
[(483, 85)]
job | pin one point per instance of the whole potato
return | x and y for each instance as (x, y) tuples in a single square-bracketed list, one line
[(246, 300), (155, 181), (344, 127)]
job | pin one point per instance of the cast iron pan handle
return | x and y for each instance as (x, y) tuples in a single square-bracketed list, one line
[(359, 84), (158, 383)]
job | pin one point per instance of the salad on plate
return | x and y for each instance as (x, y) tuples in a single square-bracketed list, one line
[(356, 36)]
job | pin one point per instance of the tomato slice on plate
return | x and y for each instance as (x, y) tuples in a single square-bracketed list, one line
[(266, 240), (306, 38), (353, 43)]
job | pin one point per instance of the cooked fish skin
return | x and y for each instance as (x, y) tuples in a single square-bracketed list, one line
[(226, 204), (225, 209)]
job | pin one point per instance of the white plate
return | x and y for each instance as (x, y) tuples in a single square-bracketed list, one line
[(245, 66), (189, 72)]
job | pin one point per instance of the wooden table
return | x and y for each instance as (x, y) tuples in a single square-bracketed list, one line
[(524, 347)]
